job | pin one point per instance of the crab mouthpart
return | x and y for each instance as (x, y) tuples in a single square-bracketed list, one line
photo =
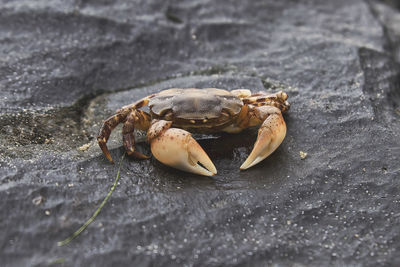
[(178, 149), (270, 136)]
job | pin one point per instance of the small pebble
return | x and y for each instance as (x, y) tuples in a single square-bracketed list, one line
[(303, 155), (84, 147), (47, 212)]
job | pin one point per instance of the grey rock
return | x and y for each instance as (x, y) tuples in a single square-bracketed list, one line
[(65, 66)]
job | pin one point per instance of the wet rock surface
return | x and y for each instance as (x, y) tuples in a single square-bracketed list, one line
[(328, 195)]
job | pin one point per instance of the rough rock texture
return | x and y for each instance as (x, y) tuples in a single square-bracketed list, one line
[(67, 65)]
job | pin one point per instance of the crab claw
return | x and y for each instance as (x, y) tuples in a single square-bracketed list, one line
[(177, 148), (270, 136)]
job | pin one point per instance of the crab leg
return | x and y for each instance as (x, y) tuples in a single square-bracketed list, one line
[(270, 135), (105, 132), (177, 148), (277, 100), (142, 121), (137, 118)]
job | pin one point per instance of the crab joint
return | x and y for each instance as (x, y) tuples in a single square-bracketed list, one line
[(178, 149)]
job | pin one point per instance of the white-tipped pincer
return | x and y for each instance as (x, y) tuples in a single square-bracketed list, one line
[(270, 136), (178, 149)]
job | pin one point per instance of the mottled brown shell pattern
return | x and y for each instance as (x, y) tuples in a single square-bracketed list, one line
[(195, 104)]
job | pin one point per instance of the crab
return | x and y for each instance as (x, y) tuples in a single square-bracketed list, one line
[(176, 113)]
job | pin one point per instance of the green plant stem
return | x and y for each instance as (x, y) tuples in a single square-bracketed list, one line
[(91, 219)]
